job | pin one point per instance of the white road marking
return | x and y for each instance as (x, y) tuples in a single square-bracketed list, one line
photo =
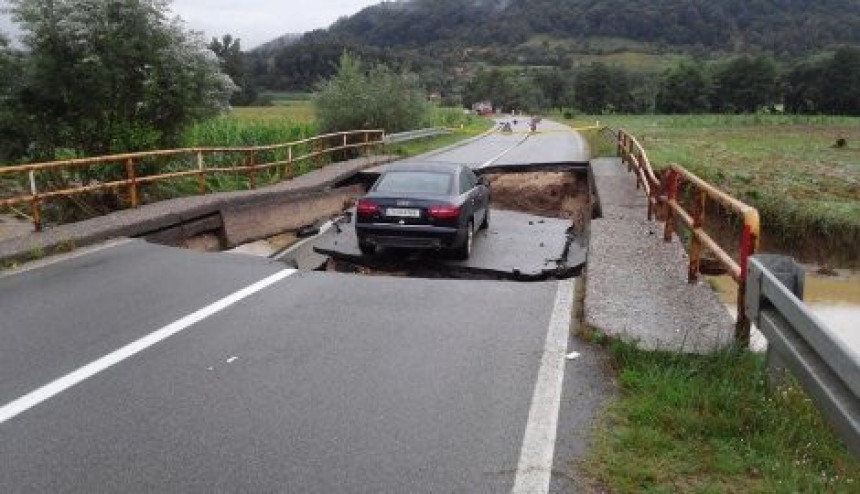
[(296, 246), (536, 455), (54, 388), (41, 263), (500, 155)]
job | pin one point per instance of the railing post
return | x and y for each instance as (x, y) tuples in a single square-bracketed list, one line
[(131, 176), (290, 171), (748, 248), (36, 203), (640, 170), (343, 153), (201, 173), (695, 243), (252, 170), (364, 149), (672, 182)]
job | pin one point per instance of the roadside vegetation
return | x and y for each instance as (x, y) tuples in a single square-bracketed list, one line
[(705, 424), (801, 172)]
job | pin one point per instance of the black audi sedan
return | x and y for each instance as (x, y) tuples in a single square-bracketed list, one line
[(423, 206)]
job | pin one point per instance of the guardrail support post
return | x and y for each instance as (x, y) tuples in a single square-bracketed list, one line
[(695, 242), (252, 171), (793, 277), (672, 182), (748, 247), (131, 176), (36, 203), (201, 174), (289, 170)]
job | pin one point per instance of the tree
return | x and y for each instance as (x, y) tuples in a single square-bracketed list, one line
[(744, 84), (378, 98), (841, 91), (557, 87), (112, 76), (802, 88), (13, 140), (232, 60), (685, 89)]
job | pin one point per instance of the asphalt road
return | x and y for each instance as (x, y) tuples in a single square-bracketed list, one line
[(139, 368), (317, 383), (552, 143)]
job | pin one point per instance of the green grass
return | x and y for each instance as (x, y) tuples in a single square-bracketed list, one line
[(296, 111), (462, 127), (786, 166), (712, 424)]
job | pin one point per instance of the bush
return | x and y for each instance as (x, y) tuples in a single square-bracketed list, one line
[(378, 98)]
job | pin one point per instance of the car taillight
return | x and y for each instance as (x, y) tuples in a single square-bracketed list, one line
[(366, 208), (444, 212)]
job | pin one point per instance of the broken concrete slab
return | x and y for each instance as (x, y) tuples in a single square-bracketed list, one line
[(255, 220), (173, 213), (516, 246)]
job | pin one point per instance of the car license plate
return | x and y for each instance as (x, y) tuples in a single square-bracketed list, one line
[(403, 213)]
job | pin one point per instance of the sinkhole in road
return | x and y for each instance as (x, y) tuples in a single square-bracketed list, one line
[(538, 231)]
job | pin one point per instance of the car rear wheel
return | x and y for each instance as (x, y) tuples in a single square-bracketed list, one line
[(486, 223), (366, 247), (464, 250)]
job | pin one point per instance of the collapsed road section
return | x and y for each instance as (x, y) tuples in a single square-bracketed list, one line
[(538, 232)]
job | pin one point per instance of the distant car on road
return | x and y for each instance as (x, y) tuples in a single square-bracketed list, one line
[(423, 206)]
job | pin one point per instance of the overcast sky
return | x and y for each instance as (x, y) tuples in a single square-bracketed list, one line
[(253, 21)]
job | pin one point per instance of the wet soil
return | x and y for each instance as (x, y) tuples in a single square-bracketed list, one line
[(551, 194), (12, 226)]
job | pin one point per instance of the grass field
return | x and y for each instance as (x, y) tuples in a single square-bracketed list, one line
[(711, 424), (787, 166)]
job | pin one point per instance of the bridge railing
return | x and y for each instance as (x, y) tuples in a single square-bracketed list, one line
[(198, 162), (633, 154), (664, 197)]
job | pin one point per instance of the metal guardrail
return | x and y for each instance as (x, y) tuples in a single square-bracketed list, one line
[(415, 134), (283, 158), (663, 198), (824, 364)]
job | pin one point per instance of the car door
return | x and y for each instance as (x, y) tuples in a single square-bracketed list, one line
[(476, 196)]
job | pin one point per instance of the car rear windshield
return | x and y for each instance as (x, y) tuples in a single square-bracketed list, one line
[(415, 182)]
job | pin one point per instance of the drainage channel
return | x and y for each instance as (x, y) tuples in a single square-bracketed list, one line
[(538, 232)]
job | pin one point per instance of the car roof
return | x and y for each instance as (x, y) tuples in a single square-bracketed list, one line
[(418, 166)]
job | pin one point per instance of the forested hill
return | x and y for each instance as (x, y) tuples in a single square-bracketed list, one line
[(444, 40), (780, 26)]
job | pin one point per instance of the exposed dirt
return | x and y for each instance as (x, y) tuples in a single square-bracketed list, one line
[(11, 226), (552, 194)]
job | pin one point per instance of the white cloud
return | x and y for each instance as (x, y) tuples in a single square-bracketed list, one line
[(253, 21)]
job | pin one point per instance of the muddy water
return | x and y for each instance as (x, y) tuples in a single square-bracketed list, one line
[(834, 299)]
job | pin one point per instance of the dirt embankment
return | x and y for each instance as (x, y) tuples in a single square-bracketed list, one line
[(552, 194)]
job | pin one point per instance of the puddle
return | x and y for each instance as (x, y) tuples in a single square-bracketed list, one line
[(834, 299)]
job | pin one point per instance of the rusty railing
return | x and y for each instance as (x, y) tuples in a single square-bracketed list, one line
[(633, 154), (288, 155), (664, 195)]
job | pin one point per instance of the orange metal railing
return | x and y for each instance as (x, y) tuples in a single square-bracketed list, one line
[(633, 154), (664, 194), (291, 153)]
